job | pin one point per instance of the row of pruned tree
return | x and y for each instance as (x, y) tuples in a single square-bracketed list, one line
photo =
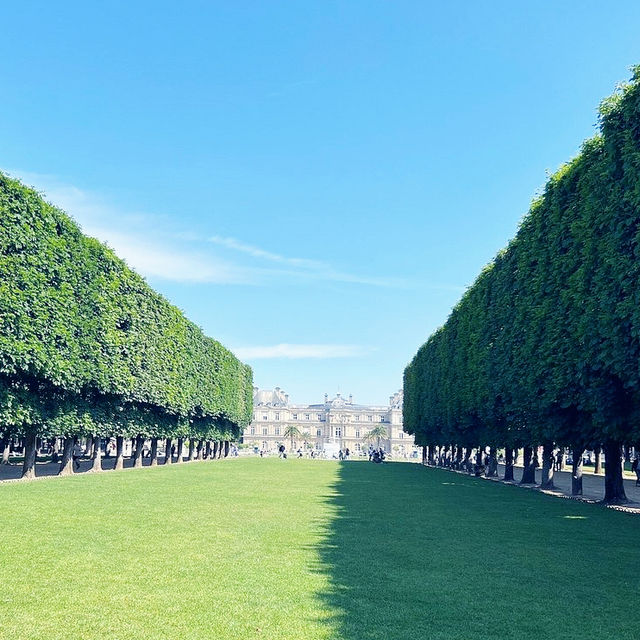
[(88, 349), (544, 348)]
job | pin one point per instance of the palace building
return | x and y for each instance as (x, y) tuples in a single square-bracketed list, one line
[(334, 424)]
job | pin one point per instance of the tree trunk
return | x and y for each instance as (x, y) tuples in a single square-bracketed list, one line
[(431, 456), (97, 455), (220, 449), (5, 445), (207, 450), (29, 464), (597, 466), (137, 460), (227, 444), (154, 452), (192, 449), (561, 459), (508, 464), (576, 471), (90, 446), (180, 449), (168, 458), (214, 449), (493, 463), (613, 484), (119, 453), (547, 466), (66, 464), (529, 470), (458, 456), (479, 455)]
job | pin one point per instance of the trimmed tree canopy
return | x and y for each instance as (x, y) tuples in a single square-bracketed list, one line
[(78, 327), (545, 346)]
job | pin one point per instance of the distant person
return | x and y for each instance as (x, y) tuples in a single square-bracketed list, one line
[(282, 451), (78, 451), (340, 455), (347, 453), (557, 461)]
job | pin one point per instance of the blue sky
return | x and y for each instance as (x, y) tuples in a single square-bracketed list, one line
[(313, 183)]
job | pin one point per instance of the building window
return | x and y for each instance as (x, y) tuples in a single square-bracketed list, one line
[(319, 417), (319, 432), (277, 431), (307, 416), (370, 418), (295, 416), (381, 418), (253, 431), (357, 418), (277, 416), (264, 416), (338, 432), (401, 434), (265, 431), (318, 446), (357, 433), (358, 446)]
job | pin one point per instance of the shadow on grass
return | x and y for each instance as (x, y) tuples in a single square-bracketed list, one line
[(417, 553)]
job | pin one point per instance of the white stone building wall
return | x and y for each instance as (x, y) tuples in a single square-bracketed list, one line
[(335, 422)]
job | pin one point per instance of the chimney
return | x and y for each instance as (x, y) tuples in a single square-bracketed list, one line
[(326, 397), (350, 398)]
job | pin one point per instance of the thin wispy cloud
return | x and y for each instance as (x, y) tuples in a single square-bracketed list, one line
[(152, 246), (257, 252), (131, 236), (305, 269), (302, 351), (154, 260)]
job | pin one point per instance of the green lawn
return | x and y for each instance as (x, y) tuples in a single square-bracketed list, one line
[(298, 549)]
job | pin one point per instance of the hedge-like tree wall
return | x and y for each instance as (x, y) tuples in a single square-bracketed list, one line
[(88, 348), (544, 348)]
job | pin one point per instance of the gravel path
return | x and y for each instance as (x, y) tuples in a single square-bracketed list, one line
[(592, 486)]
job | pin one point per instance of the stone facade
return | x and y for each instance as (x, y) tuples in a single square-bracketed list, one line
[(335, 424)]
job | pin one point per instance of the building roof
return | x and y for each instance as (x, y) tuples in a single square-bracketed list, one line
[(270, 398), (278, 398)]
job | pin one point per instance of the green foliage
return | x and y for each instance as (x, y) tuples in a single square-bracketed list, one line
[(545, 346), (86, 346)]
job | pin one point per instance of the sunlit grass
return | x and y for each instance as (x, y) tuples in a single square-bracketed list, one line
[(303, 549)]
